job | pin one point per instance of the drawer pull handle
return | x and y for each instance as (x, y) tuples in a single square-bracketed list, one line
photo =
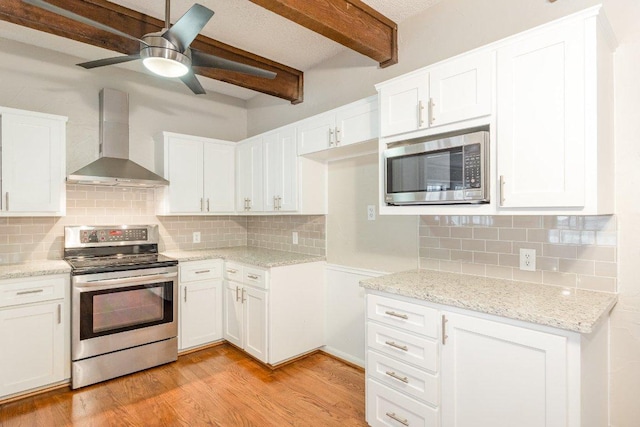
[(237, 290), (59, 314), (444, 330), (243, 298), (232, 271), (394, 314), (398, 346), (203, 271), (35, 291), (253, 276), (393, 416), (398, 377)]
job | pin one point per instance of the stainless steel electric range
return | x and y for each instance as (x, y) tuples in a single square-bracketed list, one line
[(123, 301)]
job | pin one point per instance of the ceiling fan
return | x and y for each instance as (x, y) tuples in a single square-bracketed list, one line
[(166, 53)]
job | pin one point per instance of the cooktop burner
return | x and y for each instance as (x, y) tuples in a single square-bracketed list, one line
[(101, 249)]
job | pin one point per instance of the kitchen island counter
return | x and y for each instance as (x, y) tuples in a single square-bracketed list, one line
[(565, 308)]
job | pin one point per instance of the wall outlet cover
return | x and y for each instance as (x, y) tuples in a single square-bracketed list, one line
[(371, 212), (196, 237), (527, 259), (294, 237)]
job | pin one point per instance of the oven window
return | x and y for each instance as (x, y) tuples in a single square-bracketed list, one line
[(123, 309), (426, 172)]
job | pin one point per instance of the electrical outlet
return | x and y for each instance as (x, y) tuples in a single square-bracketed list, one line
[(196, 237), (371, 212), (294, 237), (527, 259)]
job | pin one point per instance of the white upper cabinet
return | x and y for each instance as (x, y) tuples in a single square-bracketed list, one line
[(280, 170), (554, 148), (272, 178), (219, 177), (349, 124), (452, 91), (200, 173), (249, 193), (460, 89), (317, 133), (33, 163), (403, 103)]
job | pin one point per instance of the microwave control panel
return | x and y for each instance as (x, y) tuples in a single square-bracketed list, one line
[(472, 166)]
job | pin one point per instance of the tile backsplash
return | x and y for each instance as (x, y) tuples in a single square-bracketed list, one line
[(275, 232), (37, 238), (572, 251)]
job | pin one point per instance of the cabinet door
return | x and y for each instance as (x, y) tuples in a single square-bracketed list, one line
[(357, 123), (280, 171), (219, 181), (499, 375), (403, 105), (255, 322), (233, 315), (540, 127), (33, 349), (249, 194), (200, 313), (460, 89), (185, 175), (316, 133), (32, 163)]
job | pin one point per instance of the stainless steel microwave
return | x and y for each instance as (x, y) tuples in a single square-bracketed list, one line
[(442, 171)]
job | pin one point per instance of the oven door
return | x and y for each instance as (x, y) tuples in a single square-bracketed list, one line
[(119, 310)]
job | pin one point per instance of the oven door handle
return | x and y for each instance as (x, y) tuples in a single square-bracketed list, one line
[(116, 282)]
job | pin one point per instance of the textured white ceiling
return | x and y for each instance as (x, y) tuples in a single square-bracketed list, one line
[(239, 23)]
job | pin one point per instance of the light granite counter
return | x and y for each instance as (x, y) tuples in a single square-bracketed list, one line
[(565, 308), (34, 268), (258, 257)]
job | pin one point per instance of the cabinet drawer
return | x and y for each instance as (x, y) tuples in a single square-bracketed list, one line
[(26, 291), (412, 381), (404, 315), (419, 351), (233, 272), (255, 277), (200, 270), (387, 407)]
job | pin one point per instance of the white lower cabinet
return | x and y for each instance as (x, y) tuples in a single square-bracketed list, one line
[(432, 365), (274, 314), (200, 307), (34, 330), (494, 373)]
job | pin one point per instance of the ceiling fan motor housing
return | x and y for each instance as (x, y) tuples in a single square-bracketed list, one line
[(161, 53)]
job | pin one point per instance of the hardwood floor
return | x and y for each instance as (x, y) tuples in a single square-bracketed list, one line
[(219, 386)]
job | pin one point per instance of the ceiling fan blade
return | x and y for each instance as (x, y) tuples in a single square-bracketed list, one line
[(201, 59), (79, 18), (182, 33), (109, 61), (191, 80)]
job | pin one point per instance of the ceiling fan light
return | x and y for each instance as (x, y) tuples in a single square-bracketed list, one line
[(165, 67)]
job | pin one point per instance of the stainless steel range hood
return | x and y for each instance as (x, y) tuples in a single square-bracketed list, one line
[(114, 168)]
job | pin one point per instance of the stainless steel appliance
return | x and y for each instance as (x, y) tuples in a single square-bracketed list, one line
[(441, 171), (123, 301)]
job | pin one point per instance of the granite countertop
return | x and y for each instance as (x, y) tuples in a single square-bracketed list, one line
[(565, 308), (34, 268), (259, 257)]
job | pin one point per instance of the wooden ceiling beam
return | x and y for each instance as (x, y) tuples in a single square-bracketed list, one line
[(288, 83), (351, 23)]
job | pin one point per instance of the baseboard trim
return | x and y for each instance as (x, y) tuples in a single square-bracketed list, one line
[(36, 392), (201, 347), (344, 357)]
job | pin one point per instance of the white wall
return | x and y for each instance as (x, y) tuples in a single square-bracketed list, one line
[(42, 80)]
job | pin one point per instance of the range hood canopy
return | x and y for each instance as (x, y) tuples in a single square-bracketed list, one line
[(114, 168)]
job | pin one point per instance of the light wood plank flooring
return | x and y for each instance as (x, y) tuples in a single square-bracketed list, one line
[(219, 386)]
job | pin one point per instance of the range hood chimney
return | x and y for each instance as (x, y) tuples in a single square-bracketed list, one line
[(113, 167)]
